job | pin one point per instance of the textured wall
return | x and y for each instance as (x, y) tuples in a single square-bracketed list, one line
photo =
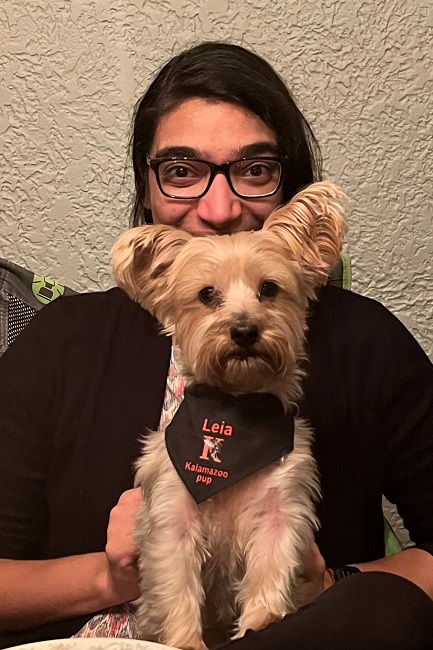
[(362, 71)]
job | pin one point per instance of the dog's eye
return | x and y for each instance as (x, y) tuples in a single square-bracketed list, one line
[(207, 295), (268, 290)]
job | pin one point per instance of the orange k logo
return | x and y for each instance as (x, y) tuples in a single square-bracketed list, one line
[(212, 447)]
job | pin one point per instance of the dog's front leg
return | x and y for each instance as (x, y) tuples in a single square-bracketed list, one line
[(273, 552), (172, 553)]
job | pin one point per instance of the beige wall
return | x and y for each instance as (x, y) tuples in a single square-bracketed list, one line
[(362, 71)]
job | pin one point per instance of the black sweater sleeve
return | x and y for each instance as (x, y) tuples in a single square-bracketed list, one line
[(79, 387), (369, 398), (404, 404), (28, 376), (392, 380), (395, 382)]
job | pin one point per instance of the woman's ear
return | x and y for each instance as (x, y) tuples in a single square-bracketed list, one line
[(311, 226), (141, 259)]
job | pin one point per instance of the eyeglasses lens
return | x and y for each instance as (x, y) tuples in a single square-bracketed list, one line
[(184, 178), (255, 177)]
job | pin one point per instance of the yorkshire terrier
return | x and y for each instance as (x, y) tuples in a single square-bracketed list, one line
[(225, 523)]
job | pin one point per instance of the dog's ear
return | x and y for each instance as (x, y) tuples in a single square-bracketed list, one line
[(312, 228), (140, 260)]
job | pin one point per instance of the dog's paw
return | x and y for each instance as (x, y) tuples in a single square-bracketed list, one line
[(190, 642), (255, 621)]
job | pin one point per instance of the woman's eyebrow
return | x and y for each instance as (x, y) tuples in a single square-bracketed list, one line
[(177, 151), (258, 149), (247, 151)]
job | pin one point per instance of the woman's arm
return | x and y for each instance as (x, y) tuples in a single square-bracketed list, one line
[(413, 563), (33, 589), (395, 383), (43, 413), (34, 592)]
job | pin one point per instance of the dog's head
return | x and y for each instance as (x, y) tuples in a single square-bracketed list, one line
[(236, 304)]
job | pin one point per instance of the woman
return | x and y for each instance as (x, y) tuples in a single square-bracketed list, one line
[(88, 377)]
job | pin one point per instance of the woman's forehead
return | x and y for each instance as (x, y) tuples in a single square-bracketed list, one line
[(217, 131)]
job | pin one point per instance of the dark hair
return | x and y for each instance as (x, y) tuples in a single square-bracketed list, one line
[(230, 73)]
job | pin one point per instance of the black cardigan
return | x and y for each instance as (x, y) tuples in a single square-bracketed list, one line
[(86, 379)]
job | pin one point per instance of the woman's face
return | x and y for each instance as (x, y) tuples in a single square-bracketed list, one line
[(217, 132)]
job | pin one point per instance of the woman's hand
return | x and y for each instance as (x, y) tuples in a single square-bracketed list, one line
[(120, 549), (315, 574)]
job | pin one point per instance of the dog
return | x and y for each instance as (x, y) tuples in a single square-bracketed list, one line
[(214, 551)]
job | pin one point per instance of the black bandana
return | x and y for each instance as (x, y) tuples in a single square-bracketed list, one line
[(216, 439)]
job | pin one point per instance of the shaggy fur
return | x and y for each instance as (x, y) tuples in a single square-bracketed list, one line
[(233, 561)]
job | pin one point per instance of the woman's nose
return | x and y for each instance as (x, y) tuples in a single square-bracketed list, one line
[(219, 206)]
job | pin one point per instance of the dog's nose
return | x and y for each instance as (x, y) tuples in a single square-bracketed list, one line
[(244, 334)]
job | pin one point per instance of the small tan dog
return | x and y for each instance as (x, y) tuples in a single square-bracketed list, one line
[(236, 308)]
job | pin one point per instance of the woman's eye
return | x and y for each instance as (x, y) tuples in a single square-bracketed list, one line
[(207, 296), (256, 170), (268, 290), (180, 172)]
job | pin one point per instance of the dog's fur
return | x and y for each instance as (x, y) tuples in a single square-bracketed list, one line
[(237, 557)]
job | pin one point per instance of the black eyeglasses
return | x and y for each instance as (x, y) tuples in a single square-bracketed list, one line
[(190, 178)]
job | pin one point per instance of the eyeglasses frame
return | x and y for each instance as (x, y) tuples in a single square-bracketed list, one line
[(223, 168)]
